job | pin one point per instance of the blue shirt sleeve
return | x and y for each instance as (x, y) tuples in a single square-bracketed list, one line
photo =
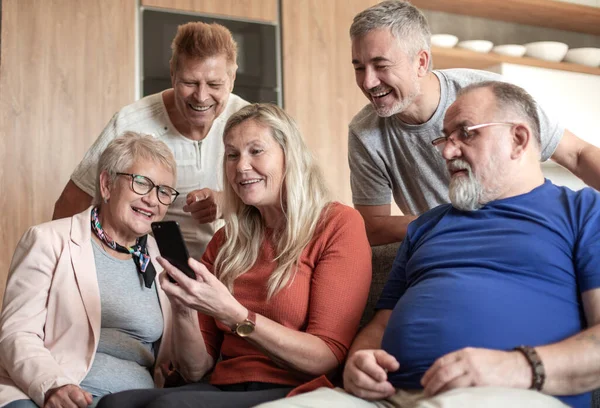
[(587, 249), (396, 284)]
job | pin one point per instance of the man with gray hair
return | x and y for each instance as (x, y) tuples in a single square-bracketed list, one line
[(189, 118), (493, 300), (389, 140)]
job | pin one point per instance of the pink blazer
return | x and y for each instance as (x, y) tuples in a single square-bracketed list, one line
[(50, 322)]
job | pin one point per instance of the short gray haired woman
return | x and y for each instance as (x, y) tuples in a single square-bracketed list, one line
[(281, 288), (82, 316)]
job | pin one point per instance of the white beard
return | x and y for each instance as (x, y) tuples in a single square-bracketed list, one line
[(465, 192)]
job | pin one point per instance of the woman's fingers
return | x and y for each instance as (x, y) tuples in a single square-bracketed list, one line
[(172, 271), (202, 273)]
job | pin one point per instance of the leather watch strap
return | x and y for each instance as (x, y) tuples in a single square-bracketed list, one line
[(537, 367)]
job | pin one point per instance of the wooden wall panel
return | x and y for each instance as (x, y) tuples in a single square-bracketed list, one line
[(265, 10), (318, 81), (67, 66)]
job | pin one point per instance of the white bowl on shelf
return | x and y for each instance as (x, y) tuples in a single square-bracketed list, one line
[(546, 50), (585, 56), (512, 50), (476, 45), (582, 2), (444, 40)]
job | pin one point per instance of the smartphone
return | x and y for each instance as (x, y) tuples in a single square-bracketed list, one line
[(172, 246)]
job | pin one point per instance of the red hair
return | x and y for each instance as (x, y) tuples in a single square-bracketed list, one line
[(202, 40)]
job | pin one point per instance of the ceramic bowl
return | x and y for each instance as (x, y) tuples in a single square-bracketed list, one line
[(444, 40), (584, 56), (476, 45), (512, 50), (546, 50)]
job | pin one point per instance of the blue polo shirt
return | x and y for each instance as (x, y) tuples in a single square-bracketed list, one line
[(510, 273)]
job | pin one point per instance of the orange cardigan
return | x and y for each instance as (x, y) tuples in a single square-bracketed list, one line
[(326, 298)]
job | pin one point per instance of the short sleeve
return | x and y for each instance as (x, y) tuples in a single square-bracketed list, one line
[(396, 283), (368, 182), (551, 133), (85, 174), (587, 248)]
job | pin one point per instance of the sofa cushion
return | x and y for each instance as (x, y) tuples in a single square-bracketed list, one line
[(382, 259)]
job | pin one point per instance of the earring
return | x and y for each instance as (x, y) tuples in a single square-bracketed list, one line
[(105, 200)]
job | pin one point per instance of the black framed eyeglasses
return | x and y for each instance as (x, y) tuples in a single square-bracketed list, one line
[(142, 185), (464, 134)]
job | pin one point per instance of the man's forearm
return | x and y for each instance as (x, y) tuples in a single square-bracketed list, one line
[(72, 200), (370, 336), (572, 365), (588, 166), (580, 158), (387, 229)]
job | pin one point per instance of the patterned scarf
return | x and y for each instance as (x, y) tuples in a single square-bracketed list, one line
[(139, 251)]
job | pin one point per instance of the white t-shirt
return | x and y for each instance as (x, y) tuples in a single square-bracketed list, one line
[(199, 163)]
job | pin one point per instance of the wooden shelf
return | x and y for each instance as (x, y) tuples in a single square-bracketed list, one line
[(459, 58), (543, 13)]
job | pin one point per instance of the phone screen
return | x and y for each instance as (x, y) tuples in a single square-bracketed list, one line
[(172, 246)]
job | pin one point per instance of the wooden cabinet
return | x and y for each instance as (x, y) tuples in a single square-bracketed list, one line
[(265, 10), (67, 67), (318, 81)]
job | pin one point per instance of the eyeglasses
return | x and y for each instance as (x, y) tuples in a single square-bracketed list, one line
[(142, 185), (465, 134)]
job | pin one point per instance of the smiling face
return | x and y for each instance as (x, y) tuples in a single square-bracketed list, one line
[(475, 165), (202, 88), (128, 215), (384, 72), (255, 166)]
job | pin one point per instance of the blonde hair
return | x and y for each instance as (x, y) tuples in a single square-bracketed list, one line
[(203, 40), (303, 198), (123, 151)]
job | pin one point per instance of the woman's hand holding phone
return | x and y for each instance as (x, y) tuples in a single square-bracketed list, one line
[(166, 280), (205, 294)]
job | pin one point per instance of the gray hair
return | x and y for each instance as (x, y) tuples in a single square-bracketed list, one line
[(122, 153), (406, 22), (510, 97)]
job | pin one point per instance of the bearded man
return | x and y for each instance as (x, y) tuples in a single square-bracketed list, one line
[(389, 150), (492, 295)]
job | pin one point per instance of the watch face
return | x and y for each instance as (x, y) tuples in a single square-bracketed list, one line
[(244, 329)]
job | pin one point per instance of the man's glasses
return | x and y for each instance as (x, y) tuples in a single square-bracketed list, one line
[(464, 134), (142, 185)]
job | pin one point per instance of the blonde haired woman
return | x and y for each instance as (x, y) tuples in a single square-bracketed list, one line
[(281, 288)]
